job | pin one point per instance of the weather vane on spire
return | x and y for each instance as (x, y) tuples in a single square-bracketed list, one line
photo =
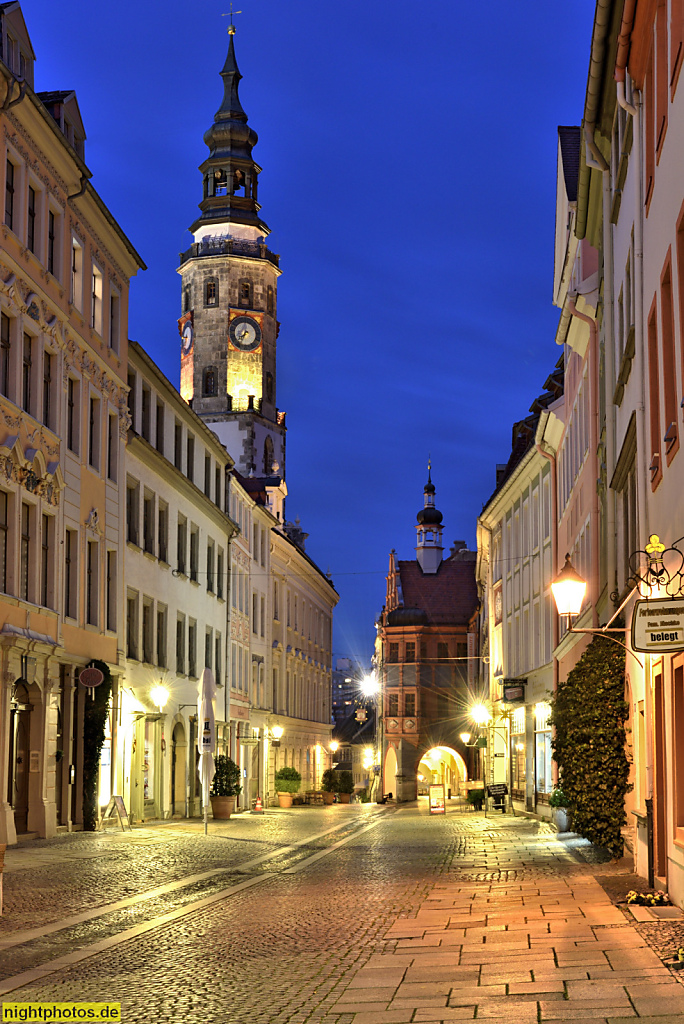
[(231, 27)]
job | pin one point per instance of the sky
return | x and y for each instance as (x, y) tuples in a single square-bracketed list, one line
[(409, 174)]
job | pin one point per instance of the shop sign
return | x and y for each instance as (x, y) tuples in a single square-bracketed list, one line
[(437, 800), (658, 626), (514, 691)]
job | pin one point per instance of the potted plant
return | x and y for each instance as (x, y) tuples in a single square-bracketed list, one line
[(344, 786), (287, 781), (560, 810), (225, 787), (476, 798), (328, 785)]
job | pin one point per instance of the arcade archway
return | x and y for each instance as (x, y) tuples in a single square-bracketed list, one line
[(442, 765)]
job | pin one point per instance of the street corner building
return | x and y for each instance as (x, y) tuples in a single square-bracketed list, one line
[(427, 655), (65, 268)]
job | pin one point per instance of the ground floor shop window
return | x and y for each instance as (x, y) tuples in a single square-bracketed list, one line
[(543, 752), (518, 754), (148, 763)]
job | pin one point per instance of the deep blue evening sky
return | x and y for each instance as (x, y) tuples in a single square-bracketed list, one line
[(409, 171)]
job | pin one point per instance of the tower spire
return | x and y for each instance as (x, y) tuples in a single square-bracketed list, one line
[(230, 73), (429, 529)]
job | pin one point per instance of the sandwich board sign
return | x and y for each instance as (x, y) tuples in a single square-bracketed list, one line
[(117, 805), (658, 626), (437, 799)]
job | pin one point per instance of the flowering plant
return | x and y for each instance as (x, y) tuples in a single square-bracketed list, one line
[(649, 899)]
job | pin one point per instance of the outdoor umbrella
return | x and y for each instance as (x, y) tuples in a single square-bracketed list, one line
[(206, 736)]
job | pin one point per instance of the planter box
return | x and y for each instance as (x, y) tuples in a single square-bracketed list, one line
[(285, 799), (328, 798), (344, 798), (561, 818)]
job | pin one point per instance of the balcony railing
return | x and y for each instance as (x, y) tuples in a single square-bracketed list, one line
[(229, 247)]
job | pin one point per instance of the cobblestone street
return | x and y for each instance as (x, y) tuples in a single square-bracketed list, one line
[(356, 915)]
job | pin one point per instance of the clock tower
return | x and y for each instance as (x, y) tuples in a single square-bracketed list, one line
[(228, 322)]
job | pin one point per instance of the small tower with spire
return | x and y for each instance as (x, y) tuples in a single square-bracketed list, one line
[(429, 530), (228, 320)]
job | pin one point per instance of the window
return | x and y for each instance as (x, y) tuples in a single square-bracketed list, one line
[(210, 567), (146, 410), (161, 636), (181, 544), (31, 220), (209, 382), (190, 466), (177, 445), (393, 652), (92, 616), (96, 300), (163, 532), (410, 650), (51, 243), (76, 274), (25, 566), (654, 395), (132, 626), (159, 428), (114, 319), (180, 645), (263, 615), (217, 486), (71, 574), (72, 415), (132, 511), (671, 437), (208, 647), (3, 541), (393, 705), (192, 649), (218, 661), (46, 562), (219, 575), (9, 195), (112, 447), (94, 432), (194, 553), (270, 303), (111, 591), (207, 475), (148, 523), (4, 354), (26, 374), (211, 292), (245, 293), (410, 705), (147, 637), (276, 609), (442, 651), (47, 389), (255, 614)]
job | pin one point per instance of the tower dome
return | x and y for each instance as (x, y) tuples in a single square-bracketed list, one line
[(429, 530)]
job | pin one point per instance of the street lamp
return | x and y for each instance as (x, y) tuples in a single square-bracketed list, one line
[(370, 687), (569, 590), (334, 746), (277, 732), (159, 695), (465, 738), (479, 714)]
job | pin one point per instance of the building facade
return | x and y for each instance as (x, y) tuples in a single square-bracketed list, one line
[(65, 268), (428, 654)]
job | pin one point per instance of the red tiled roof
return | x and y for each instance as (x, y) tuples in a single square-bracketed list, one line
[(447, 596)]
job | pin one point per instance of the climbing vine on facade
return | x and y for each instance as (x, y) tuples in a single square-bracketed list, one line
[(94, 721), (589, 715)]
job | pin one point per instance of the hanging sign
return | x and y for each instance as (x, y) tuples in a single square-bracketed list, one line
[(514, 691), (658, 626), (90, 677), (437, 800)]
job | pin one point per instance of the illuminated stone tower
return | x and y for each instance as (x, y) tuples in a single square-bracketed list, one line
[(228, 323)]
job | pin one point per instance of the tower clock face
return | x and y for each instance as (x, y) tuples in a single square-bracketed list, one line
[(245, 333)]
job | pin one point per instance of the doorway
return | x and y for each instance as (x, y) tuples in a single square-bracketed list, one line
[(19, 756), (178, 770)]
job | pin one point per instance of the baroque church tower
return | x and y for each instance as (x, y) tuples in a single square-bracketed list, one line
[(228, 324)]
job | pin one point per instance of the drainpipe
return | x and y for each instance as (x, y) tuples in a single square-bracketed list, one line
[(550, 455), (593, 444), (642, 443)]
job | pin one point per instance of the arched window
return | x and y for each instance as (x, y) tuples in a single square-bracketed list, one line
[(209, 381), (211, 292), (220, 182), (245, 293), (238, 182), (186, 299), (270, 303), (268, 456), (269, 387)]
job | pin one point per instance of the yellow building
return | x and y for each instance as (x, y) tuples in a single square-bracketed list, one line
[(65, 267)]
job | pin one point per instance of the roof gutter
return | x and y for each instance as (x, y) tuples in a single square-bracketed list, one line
[(593, 156)]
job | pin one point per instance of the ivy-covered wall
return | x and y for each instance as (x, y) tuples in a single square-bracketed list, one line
[(589, 715)]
